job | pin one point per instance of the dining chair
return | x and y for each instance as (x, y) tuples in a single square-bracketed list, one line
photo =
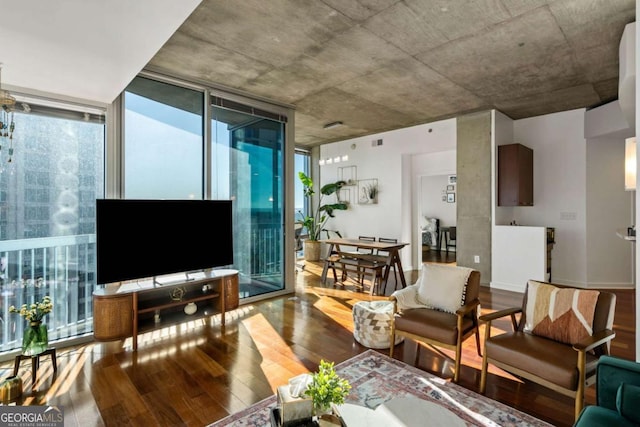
[(451, 239), (299, 237), (334, 257), (386, 253), (366, 239), (365, 251), (360, 273)]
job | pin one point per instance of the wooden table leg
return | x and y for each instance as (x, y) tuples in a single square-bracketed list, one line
[(35, 364), (16, 365), (54, 362), (374, 280), (398, 264), (325, 268), (387, 267)]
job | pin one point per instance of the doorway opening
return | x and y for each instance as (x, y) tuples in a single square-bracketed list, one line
[(438, 218)]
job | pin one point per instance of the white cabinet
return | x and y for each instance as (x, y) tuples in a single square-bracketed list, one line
[(520, 253)]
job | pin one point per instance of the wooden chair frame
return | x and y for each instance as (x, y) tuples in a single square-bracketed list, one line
[(599, 340), (469, 309)]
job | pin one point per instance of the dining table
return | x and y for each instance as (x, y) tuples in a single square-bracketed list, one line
[(384, 252)]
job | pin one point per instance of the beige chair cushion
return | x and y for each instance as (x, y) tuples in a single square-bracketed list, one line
[(442, 287), (561, 314)]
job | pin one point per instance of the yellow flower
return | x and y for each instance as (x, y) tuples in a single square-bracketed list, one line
[(35, 311)]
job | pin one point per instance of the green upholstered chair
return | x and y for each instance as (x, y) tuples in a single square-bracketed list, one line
[(617, 395)]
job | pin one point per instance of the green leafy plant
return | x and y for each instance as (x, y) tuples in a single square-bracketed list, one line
[(327, 387), (320, 214)]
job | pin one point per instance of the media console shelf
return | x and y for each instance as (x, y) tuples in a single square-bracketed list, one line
[(126, 309)]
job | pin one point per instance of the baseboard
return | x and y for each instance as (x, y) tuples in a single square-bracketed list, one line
[(507, 286), (610, 285), (591, 285), (595, 285)]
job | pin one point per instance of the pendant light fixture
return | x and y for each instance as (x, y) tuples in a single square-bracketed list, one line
[(7, 123)]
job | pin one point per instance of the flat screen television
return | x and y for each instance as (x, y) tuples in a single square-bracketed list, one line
[(137, 239)]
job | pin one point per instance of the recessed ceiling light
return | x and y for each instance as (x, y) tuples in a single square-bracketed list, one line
[(332, 125)]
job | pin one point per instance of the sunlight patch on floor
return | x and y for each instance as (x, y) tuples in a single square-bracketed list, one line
[(266, 338)]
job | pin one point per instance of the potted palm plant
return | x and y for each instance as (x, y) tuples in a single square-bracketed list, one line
[(319, 215)]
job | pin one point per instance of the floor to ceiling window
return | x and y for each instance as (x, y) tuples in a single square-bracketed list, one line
[(163, 141), (166, 155), (247, 166), (51, 173), (302, 164)]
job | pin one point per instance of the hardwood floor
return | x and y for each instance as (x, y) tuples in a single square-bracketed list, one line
[(195, 374), (432, 255)]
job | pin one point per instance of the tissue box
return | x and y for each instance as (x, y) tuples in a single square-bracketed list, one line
[(293, 409)]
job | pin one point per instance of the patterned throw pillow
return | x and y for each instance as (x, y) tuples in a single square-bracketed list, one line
[(561, 314)]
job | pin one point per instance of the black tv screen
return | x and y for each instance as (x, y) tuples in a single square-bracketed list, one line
[(138, 239)]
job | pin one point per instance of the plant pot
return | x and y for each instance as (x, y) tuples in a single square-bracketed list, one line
[(311, 250), (35, 339)]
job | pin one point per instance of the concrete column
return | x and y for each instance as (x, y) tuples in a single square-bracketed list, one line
[(473, 170)]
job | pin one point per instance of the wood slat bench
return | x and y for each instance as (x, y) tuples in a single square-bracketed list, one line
[(362, 264)]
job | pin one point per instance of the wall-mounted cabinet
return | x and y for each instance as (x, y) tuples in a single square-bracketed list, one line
[(515, 175)]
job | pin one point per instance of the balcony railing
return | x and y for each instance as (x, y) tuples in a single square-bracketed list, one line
[(61, 267), (64, 268)]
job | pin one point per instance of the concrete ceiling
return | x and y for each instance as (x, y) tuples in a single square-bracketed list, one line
[(377, 65)]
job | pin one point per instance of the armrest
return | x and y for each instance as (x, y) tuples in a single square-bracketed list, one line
[(468, 307), (595, 340), (406, 297), (488, 318), (612, 371), (393, 299), (619, 364), (500, 313)]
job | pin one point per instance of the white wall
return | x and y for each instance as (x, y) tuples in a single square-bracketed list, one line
[(609, 208), (559, 188), (519, 255), (392, 164), (502, 135), (432, 190), (582, 256), (578, 190), (637, 204)]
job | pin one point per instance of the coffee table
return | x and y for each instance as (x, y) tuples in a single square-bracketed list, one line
[(401, 411)]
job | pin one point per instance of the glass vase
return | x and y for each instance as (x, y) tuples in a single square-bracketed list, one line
[(35, 339)]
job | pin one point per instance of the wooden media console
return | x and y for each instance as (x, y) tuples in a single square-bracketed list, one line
[(126, 309)]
